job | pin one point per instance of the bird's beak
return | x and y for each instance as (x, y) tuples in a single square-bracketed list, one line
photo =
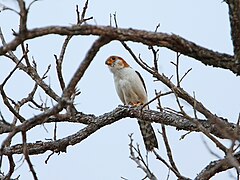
[(109, 62)]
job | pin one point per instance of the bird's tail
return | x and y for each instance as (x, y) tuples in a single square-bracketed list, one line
[(148, 135)]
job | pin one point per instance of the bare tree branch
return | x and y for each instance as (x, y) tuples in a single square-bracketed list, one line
[(138, 159), (167, 118), (170, 167), (97, 122), (168, 148), (11, 167), (31, 71), (180, 92), (215, 167), (173, 42), (23, 16), (234, 17), (63, 107), (59, 62), (26, 155)]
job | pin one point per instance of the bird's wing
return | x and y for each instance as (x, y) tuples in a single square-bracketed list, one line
[(139, 75)]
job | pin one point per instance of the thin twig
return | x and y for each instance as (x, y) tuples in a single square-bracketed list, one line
[(155, 52), (177, 69), (209, 149), (50, 155), (31, 71), (82, 19), (84, 11), (5, 8), (139, 159), (6, 102), (201, 128), (164, 135), (30, 5), (78, 15), (26, 155), (186, 73), (156, 97), (169, 166), (59, 62), (11, 73), (11, 167), (168, 148), (25, 51)]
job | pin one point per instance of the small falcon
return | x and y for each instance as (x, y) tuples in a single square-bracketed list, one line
[(132, 91)]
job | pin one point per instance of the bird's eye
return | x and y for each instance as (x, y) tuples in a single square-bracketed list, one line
[(113, 58)]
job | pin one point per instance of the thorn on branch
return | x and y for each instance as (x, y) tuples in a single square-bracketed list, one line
[(157, 27), (185, 74), (46, 161), (184, 135), (47, 70)]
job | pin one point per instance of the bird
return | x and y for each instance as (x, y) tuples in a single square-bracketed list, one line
[(132, 91)]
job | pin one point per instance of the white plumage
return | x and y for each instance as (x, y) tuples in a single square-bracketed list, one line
[(131, 90)]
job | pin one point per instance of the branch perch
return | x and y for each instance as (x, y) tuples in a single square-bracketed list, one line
[(97, 122), (170, 41)]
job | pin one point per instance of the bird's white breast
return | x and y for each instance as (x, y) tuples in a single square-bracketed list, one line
[(129, 86)]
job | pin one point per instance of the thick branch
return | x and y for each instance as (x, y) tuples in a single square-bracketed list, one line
[(5, 128), (32, 122), (216, 167), (173, 42), (95, 123), (23, 16), (234, 16)]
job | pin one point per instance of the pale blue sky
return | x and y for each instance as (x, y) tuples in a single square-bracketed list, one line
[(105, 155)]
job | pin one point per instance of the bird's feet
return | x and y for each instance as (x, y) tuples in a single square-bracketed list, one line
[(131, 105), (135, 104)]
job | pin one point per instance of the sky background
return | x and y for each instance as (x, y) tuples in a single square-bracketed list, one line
[(105, 154)]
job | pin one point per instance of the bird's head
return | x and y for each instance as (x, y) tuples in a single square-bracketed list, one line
[(116, 63)]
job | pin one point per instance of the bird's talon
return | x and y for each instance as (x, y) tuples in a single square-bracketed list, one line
[(135, 104)]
